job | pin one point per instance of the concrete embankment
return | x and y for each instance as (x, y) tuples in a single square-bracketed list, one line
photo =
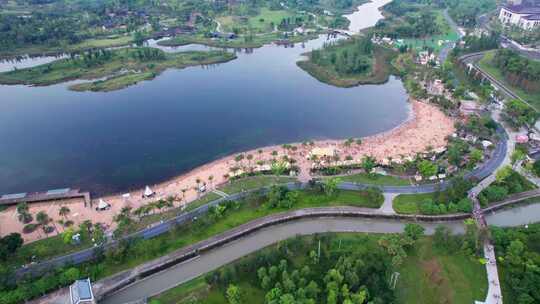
[(113, 284)]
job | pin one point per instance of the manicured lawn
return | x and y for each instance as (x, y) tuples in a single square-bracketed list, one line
[(486, 65), (249, 210), (208, 197), (429, 276), (408, 203), (240, 42), (376, 179), (254, 182), (101, 43), (44, 249), (259, 23), (433, 41)]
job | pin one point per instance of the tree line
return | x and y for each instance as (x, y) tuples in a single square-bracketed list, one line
[(345, 57), (518, 70)]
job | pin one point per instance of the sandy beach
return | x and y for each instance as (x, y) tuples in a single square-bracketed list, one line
[(427, 127)]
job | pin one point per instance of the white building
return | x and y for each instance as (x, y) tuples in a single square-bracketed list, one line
[(520, 14)]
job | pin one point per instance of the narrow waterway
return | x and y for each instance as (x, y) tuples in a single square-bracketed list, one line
[(214, 259), (515, 216), (366, 16)]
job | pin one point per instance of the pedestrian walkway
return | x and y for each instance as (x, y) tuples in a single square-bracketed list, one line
[(220, 193), (386, 207), (494, 295)]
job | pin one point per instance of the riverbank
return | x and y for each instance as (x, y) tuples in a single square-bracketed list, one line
[(426, 127), (89, 44), (115, 69), (256, 41), (379, 71)]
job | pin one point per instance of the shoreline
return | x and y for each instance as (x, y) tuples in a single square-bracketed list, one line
[(410, 137)]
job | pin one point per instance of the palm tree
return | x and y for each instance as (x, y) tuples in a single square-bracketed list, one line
[(23, 215), (43, 219), (210, 179), (64, 211), (184, 193), (249, 157)]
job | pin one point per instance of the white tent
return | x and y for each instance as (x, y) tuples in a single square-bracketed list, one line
[(148, 192), (102, 205)]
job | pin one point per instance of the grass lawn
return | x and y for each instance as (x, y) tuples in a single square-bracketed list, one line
[(240, 42), (261, 23), (208, 197), (408, 203), (429, 276), (433, 41), (254, 182), (376, 179), (44, 249), (102, 43), (485, 64), (249, 210)]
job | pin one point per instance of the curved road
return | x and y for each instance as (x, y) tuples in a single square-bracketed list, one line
[(213, 259), (87, 254)]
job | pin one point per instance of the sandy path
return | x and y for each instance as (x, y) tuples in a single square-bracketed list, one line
[(427, 127)]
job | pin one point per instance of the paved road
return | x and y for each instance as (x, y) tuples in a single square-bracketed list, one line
[(85, 255), (218, 256), (443, 54)]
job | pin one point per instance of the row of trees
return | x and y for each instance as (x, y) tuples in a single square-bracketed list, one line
[(345, 57), (518, 254), (518, 70)]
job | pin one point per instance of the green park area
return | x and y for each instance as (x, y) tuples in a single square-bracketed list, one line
[(444, 34), (247, 41), (355, 266), (518, 261), (376, 179), (141, 64), (265, 21), (349, 63)]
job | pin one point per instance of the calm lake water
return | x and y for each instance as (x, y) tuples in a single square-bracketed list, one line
[(108, 142)]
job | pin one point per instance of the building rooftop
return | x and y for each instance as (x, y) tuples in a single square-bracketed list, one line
[(81, 291), (532, 17), (523, 9)]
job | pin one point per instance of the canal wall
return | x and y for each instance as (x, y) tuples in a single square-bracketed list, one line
[(117, 282)]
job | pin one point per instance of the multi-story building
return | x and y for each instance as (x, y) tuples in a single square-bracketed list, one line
[(523, 14)]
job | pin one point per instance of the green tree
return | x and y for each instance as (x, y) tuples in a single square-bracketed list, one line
[(64, 211), (476, 156), (368, 163), (330, 186), (233, 294), (414, 231), (427, 168)]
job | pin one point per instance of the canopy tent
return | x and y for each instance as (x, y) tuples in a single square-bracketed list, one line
[(102, 205), (148, 192)]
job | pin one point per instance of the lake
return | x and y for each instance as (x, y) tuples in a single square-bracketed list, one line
[(51, 137)]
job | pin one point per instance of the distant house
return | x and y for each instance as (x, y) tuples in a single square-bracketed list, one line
[(518, 13), (522, 139), (81, 292), (436, 87), (468, 107), (323, 152)]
